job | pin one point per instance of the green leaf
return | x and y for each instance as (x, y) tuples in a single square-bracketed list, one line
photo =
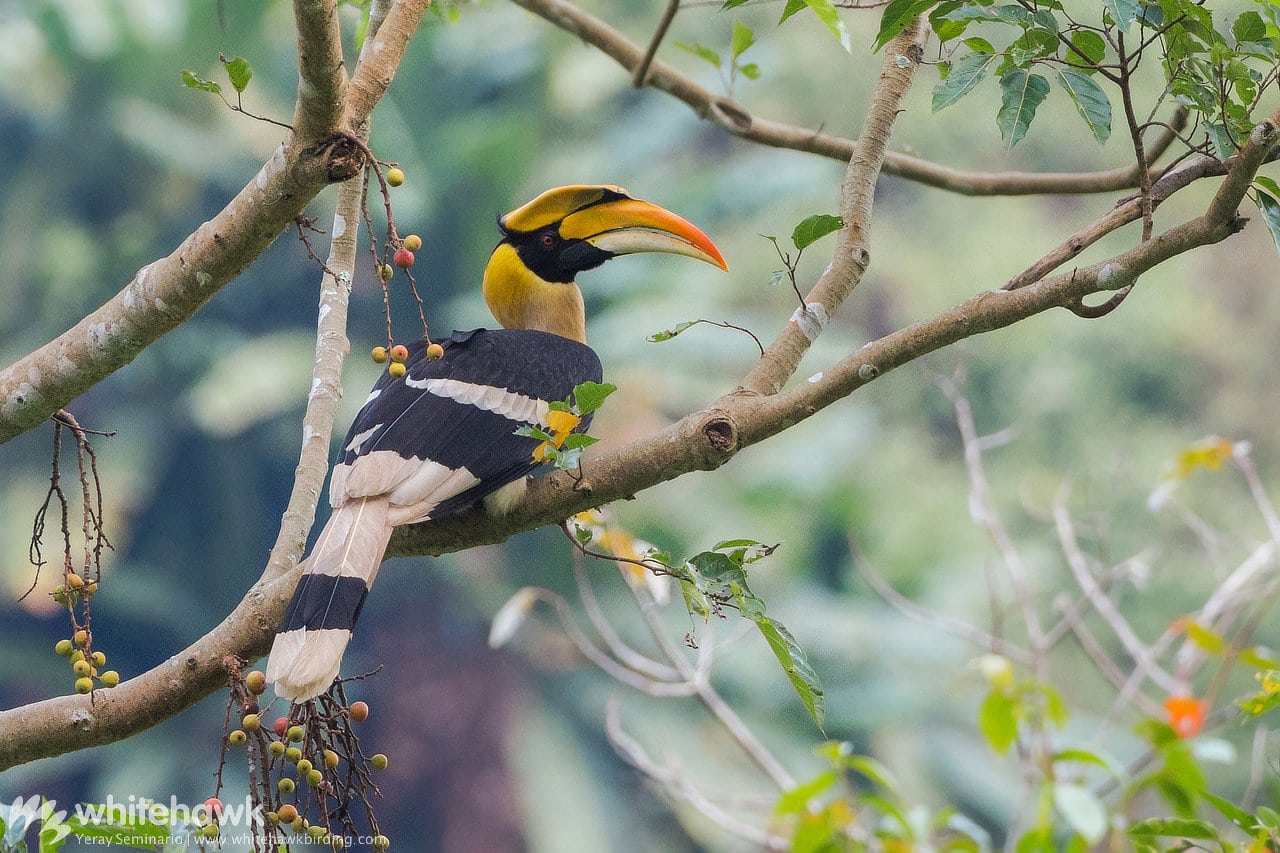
[(668, 334), (998, 721), (1084, 756), (1087, 48), (1022, 95), (827, 13), (1090, 100), (796, 665), (1123, 12), (796, 800), (1269, 818), (1174, 827), (1038, 839), (589, 396), (53, 837), (963, 77), (238, 72), (1271, 186), (731, 4), (1270, 207), (714, 572), (734, 543), (873, 770), (191, 81), (945, 28), (530, 431), (1082, 810), (1004, 14), (1233, 813), (578, 440), (751, 71), (978, 45), (1223, 145), (701, 51), (1034, 44), (897, 15), (814, 228), (743, 38), (790, 9), (1249, 27)]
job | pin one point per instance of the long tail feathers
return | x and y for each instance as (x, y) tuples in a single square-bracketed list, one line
[(308, 649)]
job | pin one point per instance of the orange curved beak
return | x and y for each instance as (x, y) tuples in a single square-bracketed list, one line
[(624, 226)]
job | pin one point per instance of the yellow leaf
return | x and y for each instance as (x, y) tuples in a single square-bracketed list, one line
[(1205, 638), (560, 422), (1209, 453)]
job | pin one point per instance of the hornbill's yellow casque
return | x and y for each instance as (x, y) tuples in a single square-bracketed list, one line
[(443, 436)]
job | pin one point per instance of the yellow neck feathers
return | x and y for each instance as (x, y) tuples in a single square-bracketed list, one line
[(519, 299)]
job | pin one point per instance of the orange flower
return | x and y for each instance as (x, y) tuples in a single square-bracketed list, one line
[(1185, 714)]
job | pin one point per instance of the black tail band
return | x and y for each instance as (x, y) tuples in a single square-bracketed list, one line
[(325, 601)]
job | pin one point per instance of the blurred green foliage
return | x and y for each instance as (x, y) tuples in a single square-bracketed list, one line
[(108, 161)]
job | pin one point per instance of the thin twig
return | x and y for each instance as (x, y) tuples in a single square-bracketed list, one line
[(941, 621), (679, 785), (982, 508), (679, 686), (623, 652), (642, 70), (711, 698), (1105, 607)]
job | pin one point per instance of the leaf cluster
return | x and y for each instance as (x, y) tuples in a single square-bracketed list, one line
[(565, 450), (826, 813), (1215, 68)]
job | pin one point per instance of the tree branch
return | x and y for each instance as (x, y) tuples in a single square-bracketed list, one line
[(1122, 214), (857, 192), (664, 23), (379, 60), (67, 723), (738, 120), (322, 77), (166, 292)]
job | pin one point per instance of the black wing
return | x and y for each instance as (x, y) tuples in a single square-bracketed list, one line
[(443, 436)]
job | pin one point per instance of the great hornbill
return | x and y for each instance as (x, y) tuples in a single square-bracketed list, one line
[(443, 436)]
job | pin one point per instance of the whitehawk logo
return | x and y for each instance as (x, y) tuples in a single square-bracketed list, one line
[(16, 819)]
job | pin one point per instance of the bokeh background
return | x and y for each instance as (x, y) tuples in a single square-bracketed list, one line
[(107, 162)]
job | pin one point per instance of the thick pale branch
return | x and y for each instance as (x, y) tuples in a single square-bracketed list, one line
[(322, 78), (379, 60), (332, 347), (165, 293), (67, 723), (853, 244), (739, 121)]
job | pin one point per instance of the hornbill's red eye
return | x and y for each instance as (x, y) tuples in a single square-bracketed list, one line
[(548, 241)]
